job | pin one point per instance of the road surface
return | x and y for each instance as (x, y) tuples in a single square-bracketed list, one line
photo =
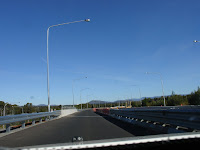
[(86, 124)]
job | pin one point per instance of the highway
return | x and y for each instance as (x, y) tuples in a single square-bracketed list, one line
[(86, 124)]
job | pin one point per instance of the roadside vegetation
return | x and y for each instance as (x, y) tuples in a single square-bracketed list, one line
[(172, 100), (28, 108)]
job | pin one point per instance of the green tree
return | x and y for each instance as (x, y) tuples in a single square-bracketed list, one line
[(194, 99), (146, 102), (28, 108)]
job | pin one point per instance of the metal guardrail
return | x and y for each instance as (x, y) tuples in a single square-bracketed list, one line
[(186, 117), (179, 108), (7, 120)]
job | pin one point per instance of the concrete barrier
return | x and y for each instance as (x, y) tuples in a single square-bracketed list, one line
[(105, 111), (67, 112)]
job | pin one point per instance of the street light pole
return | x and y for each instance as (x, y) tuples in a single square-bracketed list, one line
[(87, 99), (87, 20), (4, 109), (161, 83), (139, 92), (80, 95), (73, 87)]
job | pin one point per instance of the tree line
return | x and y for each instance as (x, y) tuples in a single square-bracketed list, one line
[(172, 100), (27, 108)]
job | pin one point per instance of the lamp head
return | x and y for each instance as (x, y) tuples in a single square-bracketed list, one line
[(87, 20)]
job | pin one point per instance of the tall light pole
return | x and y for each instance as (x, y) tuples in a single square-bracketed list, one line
[(161, 83), (139, 93), (87, 99), (4, 109), (87, 20), (80, 95), (73, 87)]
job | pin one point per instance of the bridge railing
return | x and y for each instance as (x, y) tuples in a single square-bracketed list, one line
[(186, 118), (168, 119), (8, 120)]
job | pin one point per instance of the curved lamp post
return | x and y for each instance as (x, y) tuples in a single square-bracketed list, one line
[(80, 95), (161, 83), (73, 87), (86, 20)]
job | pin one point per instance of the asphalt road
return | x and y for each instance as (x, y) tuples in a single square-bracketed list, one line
[(86, 124)]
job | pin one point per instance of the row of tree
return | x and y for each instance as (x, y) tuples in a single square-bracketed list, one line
[(27, 108), (172, 100)]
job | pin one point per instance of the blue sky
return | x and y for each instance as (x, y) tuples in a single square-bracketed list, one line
[(124, 40)]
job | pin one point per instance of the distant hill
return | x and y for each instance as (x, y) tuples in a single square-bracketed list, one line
[(40, 105), (97, 102), (103, 102), (124, 100)]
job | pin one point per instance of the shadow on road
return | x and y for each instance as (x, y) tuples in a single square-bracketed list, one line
[(133, 129)]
